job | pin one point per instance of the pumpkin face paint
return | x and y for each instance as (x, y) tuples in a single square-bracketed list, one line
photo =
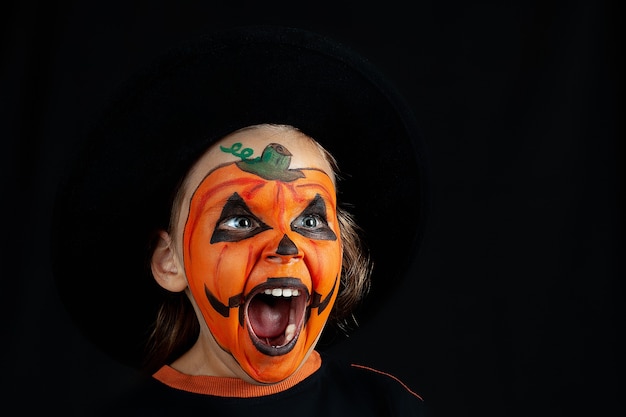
[(262, 256)]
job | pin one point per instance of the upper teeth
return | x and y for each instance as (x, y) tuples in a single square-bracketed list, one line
[(282, 292)]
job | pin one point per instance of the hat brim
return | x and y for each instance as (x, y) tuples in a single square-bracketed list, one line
[(120, 190)]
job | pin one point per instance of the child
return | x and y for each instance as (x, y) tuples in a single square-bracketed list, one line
[(215, 178)]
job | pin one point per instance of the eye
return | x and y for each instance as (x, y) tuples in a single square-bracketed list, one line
[(238, 223), (311, 221)]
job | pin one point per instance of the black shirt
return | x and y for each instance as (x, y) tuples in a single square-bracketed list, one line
[(335, 389)]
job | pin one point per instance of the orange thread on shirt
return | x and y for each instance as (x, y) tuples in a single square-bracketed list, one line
[(390, 376)]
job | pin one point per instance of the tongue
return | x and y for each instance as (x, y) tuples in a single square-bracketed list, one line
[(269, 316)]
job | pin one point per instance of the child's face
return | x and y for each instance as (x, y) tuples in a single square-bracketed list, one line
[(261, 247)]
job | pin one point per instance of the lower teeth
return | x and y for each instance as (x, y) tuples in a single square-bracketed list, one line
[(290, 332)]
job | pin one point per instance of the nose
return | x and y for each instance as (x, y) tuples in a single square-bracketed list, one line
[(286, 252)]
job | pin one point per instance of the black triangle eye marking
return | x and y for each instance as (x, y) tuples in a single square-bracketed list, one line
[(312, 222), (237, 222)]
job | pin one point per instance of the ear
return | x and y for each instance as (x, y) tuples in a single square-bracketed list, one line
[(166, 268)]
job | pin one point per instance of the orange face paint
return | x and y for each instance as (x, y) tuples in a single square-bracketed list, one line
[(262, 254)]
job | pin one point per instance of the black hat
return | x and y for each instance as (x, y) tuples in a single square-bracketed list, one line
[(120, 189)]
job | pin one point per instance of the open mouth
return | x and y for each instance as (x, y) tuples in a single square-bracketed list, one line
[(275, 313)]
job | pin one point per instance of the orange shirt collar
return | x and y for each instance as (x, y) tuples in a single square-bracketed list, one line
[(233, 387)]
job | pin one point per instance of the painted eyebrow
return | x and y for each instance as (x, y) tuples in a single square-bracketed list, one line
[(317, 184)]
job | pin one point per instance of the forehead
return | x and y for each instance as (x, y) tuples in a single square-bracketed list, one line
[(250, 142)]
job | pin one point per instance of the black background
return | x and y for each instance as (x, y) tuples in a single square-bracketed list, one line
[(512, 306)]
